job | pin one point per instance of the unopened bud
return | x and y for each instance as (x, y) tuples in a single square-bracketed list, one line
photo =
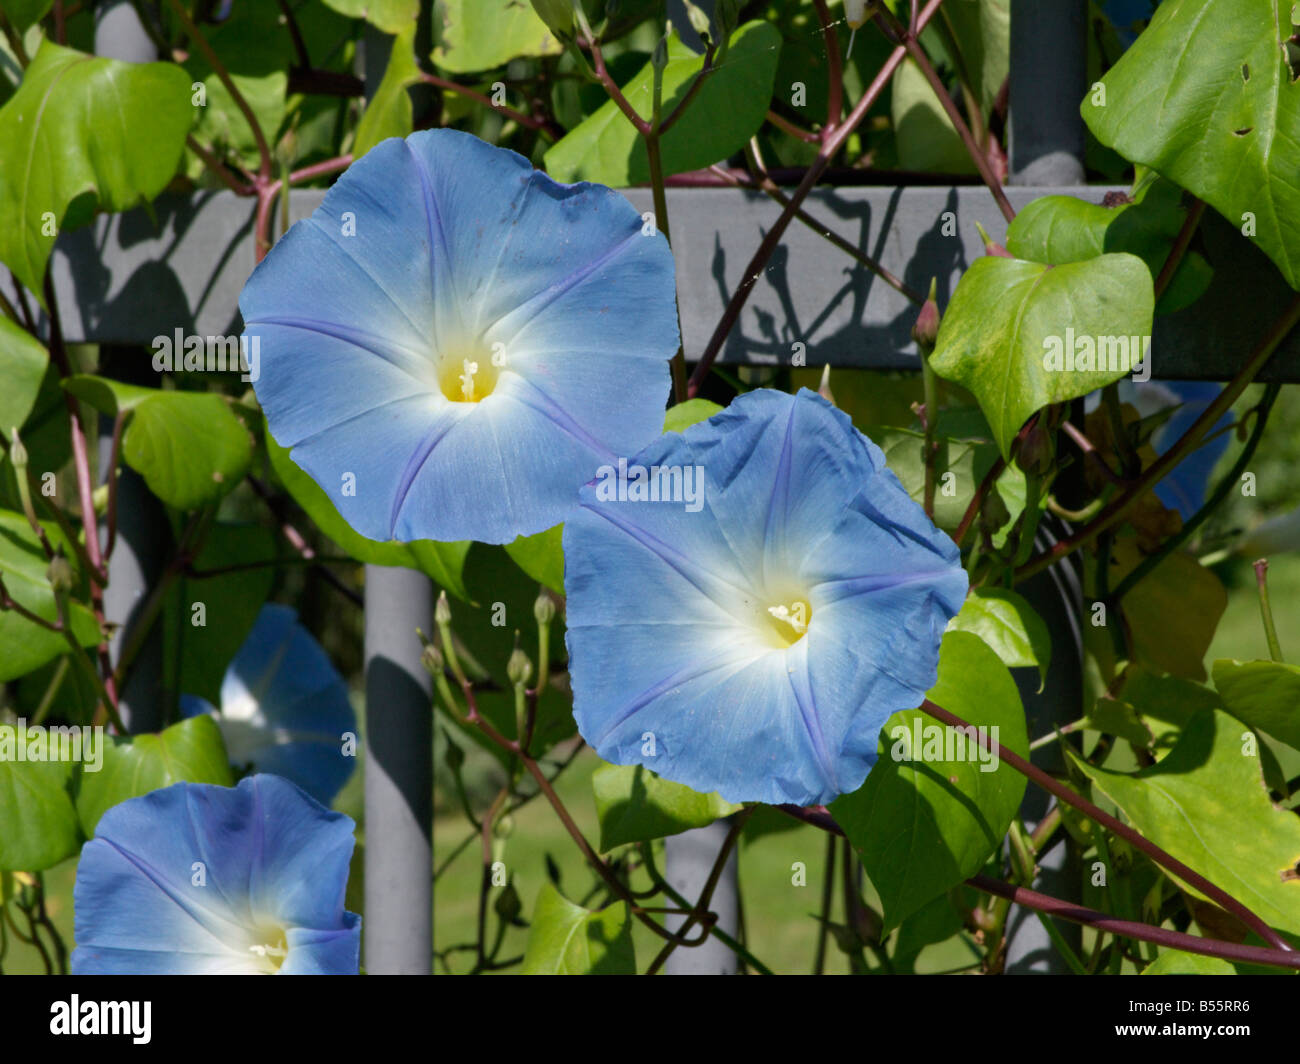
[(698, 19), (1037, 450), (60, 573), (991, 246), (659, 57), (824, 387), (431, 659), (442, 611), (544, 608), (17, 452), (519, 669), (507, 906), (925, 331), (856, 12)]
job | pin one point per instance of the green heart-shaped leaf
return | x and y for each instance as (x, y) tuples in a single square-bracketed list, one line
[(567, 939), (635, 805), (482, 34), (1205, 804), (1225, 127), (728, 109), (1021, 335), (191, 751), (83, 132), (1009, 625), (189, 447), (1263, 694), (40, 822)]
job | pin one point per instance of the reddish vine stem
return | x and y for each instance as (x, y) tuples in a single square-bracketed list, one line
[(1063, 793), (832, 139), (219, 68), (699, 912), (691, 92), (786, 126), (986, 485), (818, 817), (603, 870), (537, 125), (1064, 910), (85, 492), (641, 125), (909, 38), (834, 65)]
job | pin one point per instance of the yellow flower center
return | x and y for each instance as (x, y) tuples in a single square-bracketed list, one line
[(785, 623), (269, 949), (467, 374)]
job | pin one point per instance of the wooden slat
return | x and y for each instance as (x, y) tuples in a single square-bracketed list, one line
[(125, 280)]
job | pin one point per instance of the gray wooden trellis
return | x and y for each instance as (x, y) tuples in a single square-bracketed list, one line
[(124, 280)]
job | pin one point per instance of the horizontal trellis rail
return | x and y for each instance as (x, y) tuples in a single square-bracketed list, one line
[(127, 279)]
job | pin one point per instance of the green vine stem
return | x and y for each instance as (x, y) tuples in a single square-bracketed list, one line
[(1266, 611)]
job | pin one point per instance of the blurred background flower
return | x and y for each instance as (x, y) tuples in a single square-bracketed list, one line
[(202, 880), (284, 707)]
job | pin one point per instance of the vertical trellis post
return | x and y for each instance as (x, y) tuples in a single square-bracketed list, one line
[(688, 861), (141, 523), (398, 928), (1048, 73)]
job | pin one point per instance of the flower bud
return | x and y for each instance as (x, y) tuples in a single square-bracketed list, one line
[(507, 906), (60, 573), (1037, 450), (698, 19), (544, 608), (519, 669), (925, 331), (991, 247), (442, 611), (17, 452), (431, 659), (856, 12), (824, 388), (659, 57)]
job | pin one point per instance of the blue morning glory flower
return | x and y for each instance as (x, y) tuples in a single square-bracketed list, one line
[(202, 880), (453, 342), (285, 708), (751, 630), (1183, 488)]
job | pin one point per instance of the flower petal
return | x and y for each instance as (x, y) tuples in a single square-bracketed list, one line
[(667, 608), (187, 878), (433, 253)]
